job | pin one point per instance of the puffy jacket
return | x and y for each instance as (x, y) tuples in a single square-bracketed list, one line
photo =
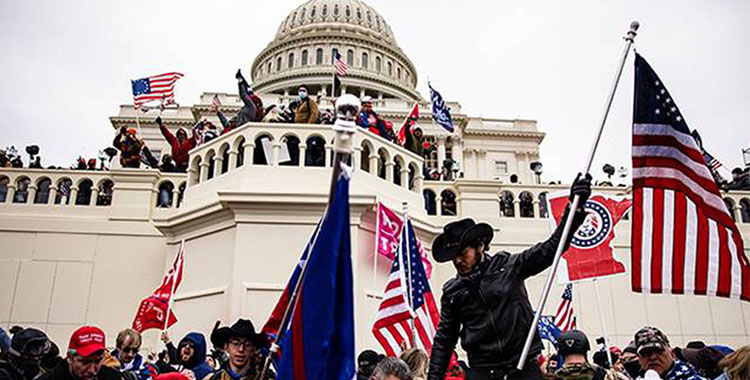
[(307, 112), (180, 151), (489, 308)]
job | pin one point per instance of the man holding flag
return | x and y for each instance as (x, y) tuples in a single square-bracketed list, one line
[(486, 304)]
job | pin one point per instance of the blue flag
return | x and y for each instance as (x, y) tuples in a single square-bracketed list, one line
[(319, 342), (548, 330), (440, 112)]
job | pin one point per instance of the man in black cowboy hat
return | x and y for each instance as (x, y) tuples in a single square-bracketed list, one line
[(243, 345), (486, 304)]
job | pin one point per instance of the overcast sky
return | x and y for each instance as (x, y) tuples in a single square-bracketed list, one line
[(65, 65)]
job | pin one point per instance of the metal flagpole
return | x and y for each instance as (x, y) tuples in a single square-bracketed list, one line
[(604, 325), (405, 244), (377, 245), (342, 147), (574, 205), (171, 293)]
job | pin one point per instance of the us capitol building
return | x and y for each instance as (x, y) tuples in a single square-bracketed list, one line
[(68, 259)]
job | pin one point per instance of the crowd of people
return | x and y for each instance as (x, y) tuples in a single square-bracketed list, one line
[(238, 352)]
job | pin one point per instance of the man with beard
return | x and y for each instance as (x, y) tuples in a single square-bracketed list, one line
[(190, 355), (22, 359), (655, 354), (243, 345), (486, 304), (86, 352)]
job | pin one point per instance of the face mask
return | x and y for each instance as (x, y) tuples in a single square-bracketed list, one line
[(302, 94), (633, 368)]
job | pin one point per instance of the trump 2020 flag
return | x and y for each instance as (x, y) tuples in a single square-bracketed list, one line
[(153, 310), (441, 113), (548, 330), (590, 254), (318, 344)]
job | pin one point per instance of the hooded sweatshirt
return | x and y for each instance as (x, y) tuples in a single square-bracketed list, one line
[(197, 363), (180, 150)]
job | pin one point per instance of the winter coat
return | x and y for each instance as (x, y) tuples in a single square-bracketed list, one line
[(412, 143), (180, 150), (489, 309), (62, 372), (136, 366), (679, 371), (130, 151), (254, 368), (587, 371), (742, 183), (307, 112), (197, 363)]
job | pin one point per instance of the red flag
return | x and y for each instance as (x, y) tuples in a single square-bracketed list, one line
[(590, 254), (387, 236), (408, 123), (153, 309)]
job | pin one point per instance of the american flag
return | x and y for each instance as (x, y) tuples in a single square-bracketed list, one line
[(565, 318), (683, 239), (711, 161), (157, 87), (216, 102), (393, 324), (339, 64)]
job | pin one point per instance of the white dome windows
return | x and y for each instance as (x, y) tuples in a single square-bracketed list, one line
[(364, 61), (278, 63), (305, 54), (348, 12), (319, 56), (378, 64), (350, 57)]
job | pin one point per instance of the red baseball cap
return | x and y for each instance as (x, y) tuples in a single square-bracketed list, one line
[(86, 341)]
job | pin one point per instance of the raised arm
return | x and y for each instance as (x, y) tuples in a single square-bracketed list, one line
[(165, 131)]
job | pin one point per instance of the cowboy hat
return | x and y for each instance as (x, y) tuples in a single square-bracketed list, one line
[(243, 328), (457, 235)]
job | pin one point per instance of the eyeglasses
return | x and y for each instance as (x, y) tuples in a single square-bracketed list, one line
[(246, 344)]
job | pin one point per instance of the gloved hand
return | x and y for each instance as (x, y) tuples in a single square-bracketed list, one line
[(123, 130), (158, 120), (582, 188)]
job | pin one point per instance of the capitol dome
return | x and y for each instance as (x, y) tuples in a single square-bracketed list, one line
[(302, 51)]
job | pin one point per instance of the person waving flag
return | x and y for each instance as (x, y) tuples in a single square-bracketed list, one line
[(158, 87)]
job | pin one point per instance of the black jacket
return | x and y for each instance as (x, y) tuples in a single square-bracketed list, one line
[(62, 372), (489, 309)]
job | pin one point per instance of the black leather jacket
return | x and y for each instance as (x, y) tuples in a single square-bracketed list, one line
[(489, 309)]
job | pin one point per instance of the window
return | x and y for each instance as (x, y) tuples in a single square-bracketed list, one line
[(312, 12), (319, 56), (359, 14), (398, 73), (377, 64), (325, 10), (304, 58), (364, 60), (348, 12), (290, 63), (269, 68), (501, 168), (336, 10), (278, 63), (304, 12), (350, 57), (390, 69)]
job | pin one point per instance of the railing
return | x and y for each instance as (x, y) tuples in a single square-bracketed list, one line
[(307, 145)]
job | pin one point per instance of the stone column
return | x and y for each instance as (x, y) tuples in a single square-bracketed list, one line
[(73, 196), (405, 177), (11, 193), (94, 196), (458, 153), (275, 154), (537, 210), (329, 155), (175, 196), (356, 156), (418, 182), (233, 159), (302, 153), (374, 160), (737, 213), (31, 194), (192, 176), (204, 171), (248, 157), (218, 163), (516, 208), (441, 154), (52, 195), (389, 171), (438, 204)]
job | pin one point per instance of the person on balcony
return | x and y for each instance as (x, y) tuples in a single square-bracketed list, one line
[(252, 109), (486, 305), (370, 120), (740, 179), (307, 110), (129, 145), (181, 145)]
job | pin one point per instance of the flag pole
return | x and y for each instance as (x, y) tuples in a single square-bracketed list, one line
[(576, 199), (377, 245), (405, 243), (171, 293), (344, 129), (601, 317)]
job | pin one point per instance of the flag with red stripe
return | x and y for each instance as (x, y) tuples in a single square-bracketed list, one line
[(684, 240), (155, 88), (153, 310), (565, 318), (400, 322)]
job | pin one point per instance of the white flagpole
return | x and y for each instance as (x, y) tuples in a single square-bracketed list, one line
[(604, 324), (574, 205), (405, 244), (171, 293)]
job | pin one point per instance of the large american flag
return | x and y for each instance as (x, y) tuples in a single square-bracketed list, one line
[(565, 318), (395, 318), (683, 240), (157, 87), (339, 64)]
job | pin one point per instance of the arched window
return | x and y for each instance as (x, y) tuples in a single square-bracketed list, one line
[(729, 204), (350, 57), (397, 171), (290, 63), (22, 190), (543, 212), (211, 164), (312, 12), (513, 178), (262, 152), (278, 63), (325, 10), (526, 204), (84, 192), (225, 160), (398, 73), (348, 12), (364, 61), (241, 153), (4, 181), (359, 14), (506, 204), (292, 146), (180, 194), (106, 190), (336, 10), (319, 56), (63, 191), (196, 167), (269, 68), (42, 191), (745, 210), (166, 191), (429, 202), (364, 158), (304, 58), (377, 64), (390, 69), (447, 203), (315, 153), (413, 169), (382, 159)]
